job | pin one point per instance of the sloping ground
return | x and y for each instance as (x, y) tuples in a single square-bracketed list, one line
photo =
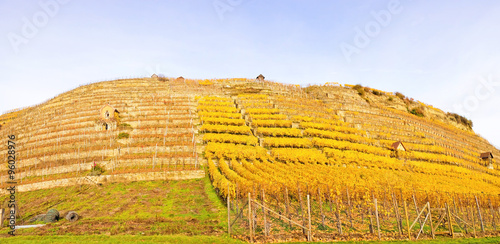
[(65, 136), (137, 208), (330, 143), (158, 123)]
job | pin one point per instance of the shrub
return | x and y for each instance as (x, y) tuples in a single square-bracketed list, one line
[(400, 95), (360, 89), (461, 119), (96, 170), (418, 112), (125, 126), (390, 99), (123, 135), (162, 78), (377, 93)]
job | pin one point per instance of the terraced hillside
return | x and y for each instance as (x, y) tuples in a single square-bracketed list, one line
[(157, 126), (251, 134)]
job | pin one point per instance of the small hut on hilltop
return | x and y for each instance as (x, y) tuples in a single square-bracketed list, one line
[(260, 78), (180, 79)]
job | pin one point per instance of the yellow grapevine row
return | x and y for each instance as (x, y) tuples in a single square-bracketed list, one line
[(243, 183), (218, 109), (272, 123), (252, 96), (229, 150), (305, 156), (223, 121), (280, 132), (230, 138), (268, 116), (287, 142), (344, 145), (338, 136), (262, 111), (299, 118), (257, 105), (220, 115), (322, 126), (220, 182), (242, 130), (216, 104)]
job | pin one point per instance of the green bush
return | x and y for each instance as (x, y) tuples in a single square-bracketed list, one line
[(377, 93), (461, 119), (123, 135), (418, 112), (360, 89), (390, 99)]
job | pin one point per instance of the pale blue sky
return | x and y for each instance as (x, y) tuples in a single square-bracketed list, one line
[(434, 51)]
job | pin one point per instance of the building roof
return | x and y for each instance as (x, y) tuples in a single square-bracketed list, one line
[(113, 108), (260, 77), (486, 155), (395, 145)]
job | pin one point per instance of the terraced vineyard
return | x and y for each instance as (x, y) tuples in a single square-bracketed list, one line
[(274, 143)]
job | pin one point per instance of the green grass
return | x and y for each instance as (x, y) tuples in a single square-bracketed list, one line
[(121, 239), (188, 207)]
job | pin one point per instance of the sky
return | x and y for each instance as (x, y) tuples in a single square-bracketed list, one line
[(445, 53)]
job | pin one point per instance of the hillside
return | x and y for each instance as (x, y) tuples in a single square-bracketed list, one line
[(252, 136)]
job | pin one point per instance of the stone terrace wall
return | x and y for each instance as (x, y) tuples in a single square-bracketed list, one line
[(103, 179)]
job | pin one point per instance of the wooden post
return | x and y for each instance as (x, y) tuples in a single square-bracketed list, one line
[(493, 224), (250, 217), (154, 158), (287, 207), (370, 215), (396, 213), (309, 233), (301, 209), (416, 208), (450, 226), (479, 215), (457, 213), (228, 214), (350, 208), (1, 217), (339, 223), (407, 221), (430, 220), (376, 216), (264, 212), (473, 222), (321, 207)]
